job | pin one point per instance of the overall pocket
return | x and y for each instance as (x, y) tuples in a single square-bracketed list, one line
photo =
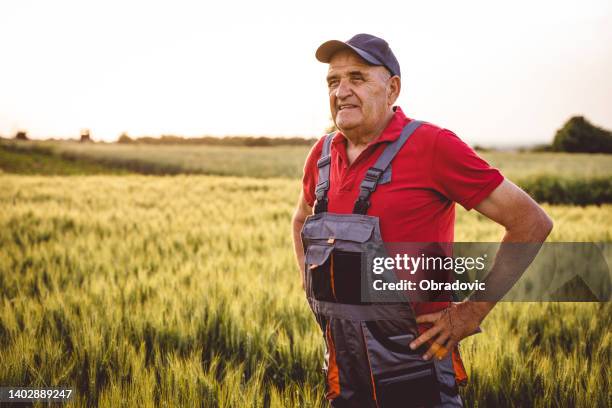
[(318, 271), (401, 377), (333, 275)]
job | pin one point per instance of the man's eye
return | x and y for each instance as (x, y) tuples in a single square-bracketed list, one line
[(356, 79), (332, 84)]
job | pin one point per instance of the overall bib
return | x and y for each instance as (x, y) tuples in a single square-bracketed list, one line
[(368, 362)]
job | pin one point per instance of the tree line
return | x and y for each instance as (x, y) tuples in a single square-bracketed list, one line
[(219, 141), (578, 135)]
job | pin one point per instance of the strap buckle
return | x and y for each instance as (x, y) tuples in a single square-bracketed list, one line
[(361, 206), (324, 161), (371, 179), (373, 174), (320, 206), (321, 188)]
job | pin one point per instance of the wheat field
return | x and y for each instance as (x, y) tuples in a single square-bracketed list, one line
[(183, 291)]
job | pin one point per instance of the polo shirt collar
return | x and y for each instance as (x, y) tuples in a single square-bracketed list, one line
[(389, 134)]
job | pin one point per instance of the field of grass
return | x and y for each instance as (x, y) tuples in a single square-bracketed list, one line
[(260, 162), (31, 161), (288, 161), (183, 291), (554, 178)]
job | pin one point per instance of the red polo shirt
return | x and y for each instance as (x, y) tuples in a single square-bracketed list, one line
[(433, 170)]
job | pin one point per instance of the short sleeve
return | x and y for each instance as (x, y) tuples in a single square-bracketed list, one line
[(311, 172), (459, 173)]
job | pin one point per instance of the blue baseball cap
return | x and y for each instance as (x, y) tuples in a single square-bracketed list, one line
[(374, 50)]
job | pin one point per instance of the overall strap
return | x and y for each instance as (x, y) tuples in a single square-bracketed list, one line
[(324, 165), (370, 181)]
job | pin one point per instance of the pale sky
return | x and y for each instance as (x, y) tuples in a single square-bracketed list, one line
[(496, 74)]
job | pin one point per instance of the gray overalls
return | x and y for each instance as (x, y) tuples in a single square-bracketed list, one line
[(367, 362)]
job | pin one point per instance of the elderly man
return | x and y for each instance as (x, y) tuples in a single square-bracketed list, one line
[(385, 176)]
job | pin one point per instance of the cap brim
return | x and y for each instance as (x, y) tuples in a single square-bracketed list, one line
[(326, 50)]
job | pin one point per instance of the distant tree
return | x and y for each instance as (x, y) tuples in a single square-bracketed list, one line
[(480, 148), (124, 138), (580, 135), (85, 137), (21, 135)]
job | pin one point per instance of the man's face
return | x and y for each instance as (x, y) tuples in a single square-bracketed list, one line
[(359, 93)]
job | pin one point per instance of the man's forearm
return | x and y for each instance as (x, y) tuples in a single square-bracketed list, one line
[(518, 249), (297, 225), (302, 212)]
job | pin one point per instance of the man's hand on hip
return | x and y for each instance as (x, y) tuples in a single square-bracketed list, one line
[(450, 326)]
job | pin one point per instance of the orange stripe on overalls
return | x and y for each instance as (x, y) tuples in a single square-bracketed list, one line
[(333, 379)]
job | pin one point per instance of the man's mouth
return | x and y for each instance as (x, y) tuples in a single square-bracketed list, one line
[(346, 106)]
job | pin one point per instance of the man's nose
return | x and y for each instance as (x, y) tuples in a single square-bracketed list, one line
[(343, 90)]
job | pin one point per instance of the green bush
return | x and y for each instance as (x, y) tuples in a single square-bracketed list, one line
[(557, 190), (580, 135)]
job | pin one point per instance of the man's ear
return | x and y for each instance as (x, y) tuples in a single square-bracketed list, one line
[(394, 87)]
